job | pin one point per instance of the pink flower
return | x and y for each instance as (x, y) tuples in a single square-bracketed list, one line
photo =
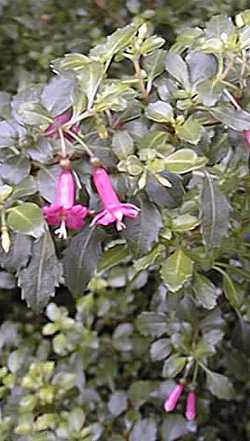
[(59, 121), (63, 212), (247, 138), (172, 401), (191, 406), (114, 210)]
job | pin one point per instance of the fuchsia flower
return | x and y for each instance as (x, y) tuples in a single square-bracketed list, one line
[(114, 210), (172, 401), (191, 406), (59, 121), (63, 212)]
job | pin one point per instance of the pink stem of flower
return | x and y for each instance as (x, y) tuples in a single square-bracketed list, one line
[(65, 189), (191, 406), (104, 187), (172, 401)]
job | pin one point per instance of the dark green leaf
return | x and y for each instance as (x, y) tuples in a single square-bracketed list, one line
[(168, 197), (122, 144), (154, 65), (160, 349), (177, 67), (215, 212), (25, 188), (57, 95), (142, 232), (81, 258), (144, 430), (118, 403), (160, 112), (230, 291), (201, 66), (15, 169), (220, 386), (151, 323), (42, 151), (46, 181), (40, 278), (18, 255), (174, 427), (7, 280), (235, 119), (190, 131), (112, 257), (90, 78)]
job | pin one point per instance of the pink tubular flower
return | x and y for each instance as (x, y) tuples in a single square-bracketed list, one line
[(172, 401), (191, 406), (59, 121), (63, 212), (114, 210)]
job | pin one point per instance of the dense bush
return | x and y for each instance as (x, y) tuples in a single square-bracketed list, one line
[(160, 299)]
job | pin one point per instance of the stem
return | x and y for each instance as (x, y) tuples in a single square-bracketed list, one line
[(77, 119), (80, 141), (232, 99), (195, 374), (140, 79), (63, 145)]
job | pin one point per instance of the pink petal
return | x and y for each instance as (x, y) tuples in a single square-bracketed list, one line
[(75, 216), (53, 214), (103, 218), (130, 210), (172, 401), (104, 187), (191, 406), (65, 189)]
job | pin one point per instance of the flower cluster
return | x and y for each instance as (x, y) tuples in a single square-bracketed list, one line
[(174, 397), (67, 214)]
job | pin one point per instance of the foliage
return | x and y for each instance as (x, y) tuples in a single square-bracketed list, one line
[(168, 296)]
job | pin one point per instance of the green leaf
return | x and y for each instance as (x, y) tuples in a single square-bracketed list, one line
[(160, 112), (210, 92), (139, 392), (46, 182), (15, 169), (7, 280), (26, 219), (154, 65), (41, 151), (205, 291), (176, 270), (81, 258), (90, 78), (57, 95), (112, 257), (167, 197), (220, 24), (184, 222), (173, 366), (190, 131), (114, 96), (25, 188), (230, 291), (18, 255), (220, 386), (75, 62), (114, 43), (215, 213), (174, 427), (184, 161), (142, 232), (118, 403), (144, 430), (40, 278), (8, 134), (201, 66), (160, 349), (177, 67), (235, 119), (151, 323), (146, 261), (122, 144)]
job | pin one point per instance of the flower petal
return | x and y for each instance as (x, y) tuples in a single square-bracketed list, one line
[(74, 217), (53, 214), (105, 217)]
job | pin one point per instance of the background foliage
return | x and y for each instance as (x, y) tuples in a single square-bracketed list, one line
[(170, 292)]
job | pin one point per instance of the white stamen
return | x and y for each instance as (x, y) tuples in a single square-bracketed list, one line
[(120, 225), (62, 231)]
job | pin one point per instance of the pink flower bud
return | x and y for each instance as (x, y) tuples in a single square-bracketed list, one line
[(191, 406), (174, 397), (65, 189)]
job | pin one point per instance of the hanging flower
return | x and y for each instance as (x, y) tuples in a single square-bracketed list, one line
[(114, 210), (191, 406), (63, 212), (172, 401), (59, 121)]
